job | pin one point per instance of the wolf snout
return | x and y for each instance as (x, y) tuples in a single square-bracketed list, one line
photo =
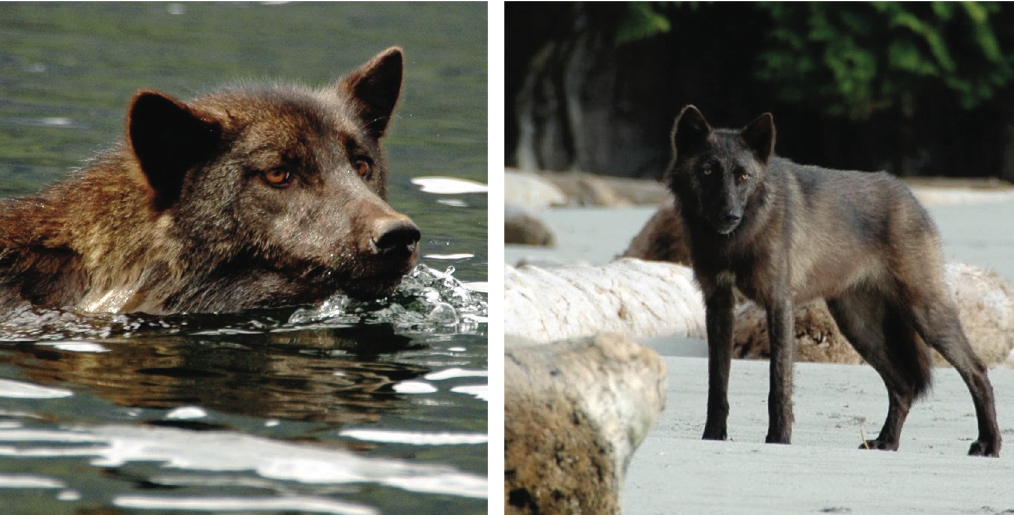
[(731, 218), (727, 222), (395, 237)]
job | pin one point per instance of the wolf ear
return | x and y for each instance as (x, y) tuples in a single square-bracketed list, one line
[(376, 86), (759, 136), (168, 139), (690, 130)]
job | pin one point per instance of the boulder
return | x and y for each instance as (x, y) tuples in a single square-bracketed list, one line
[(574, 412), (639, 192), (661, 239), (521, 227), (531, 191), (539, 190), (586, 189)]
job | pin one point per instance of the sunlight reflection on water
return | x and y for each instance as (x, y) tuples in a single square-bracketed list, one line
[(227, 451)]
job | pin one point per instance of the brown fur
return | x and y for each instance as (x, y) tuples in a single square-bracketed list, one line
[(783, 234), (183, 217)]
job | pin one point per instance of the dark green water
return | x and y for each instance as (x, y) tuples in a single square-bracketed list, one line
[(335, 409)]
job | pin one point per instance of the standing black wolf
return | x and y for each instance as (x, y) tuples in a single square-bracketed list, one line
[(784, 233)]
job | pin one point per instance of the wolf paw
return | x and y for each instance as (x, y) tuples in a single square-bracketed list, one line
[(715, 434), (879, 445), (782, 439), (985, 448)]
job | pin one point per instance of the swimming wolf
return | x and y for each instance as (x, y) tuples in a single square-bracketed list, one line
[(782, 234), (255, 196)]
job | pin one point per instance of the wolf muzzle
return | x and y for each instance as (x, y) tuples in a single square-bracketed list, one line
[(396, 236)]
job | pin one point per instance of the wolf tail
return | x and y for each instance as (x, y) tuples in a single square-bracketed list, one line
[(908, 354), (892, 345), (913, 364)]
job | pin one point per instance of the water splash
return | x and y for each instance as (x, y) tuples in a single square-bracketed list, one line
[(427, 300), (27, 324)]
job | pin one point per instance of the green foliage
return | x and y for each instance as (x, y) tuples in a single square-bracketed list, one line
[(855, 59), (640, 20)]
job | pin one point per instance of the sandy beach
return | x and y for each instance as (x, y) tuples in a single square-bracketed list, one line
[(823, 471), (836, 406)]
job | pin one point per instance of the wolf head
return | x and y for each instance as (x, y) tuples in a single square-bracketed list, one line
[(284, 181), (715, 171)]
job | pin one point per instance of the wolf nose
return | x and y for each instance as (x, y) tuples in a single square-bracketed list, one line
[(396, 237), (731, 218)]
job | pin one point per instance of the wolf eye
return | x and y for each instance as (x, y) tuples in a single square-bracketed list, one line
[(744, 176), (707, 171), (277, 178), (364, 167)]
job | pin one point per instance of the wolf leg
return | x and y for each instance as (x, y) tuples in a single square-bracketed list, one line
[(863, 318), (783, 346), (719, 320), (940, 327)]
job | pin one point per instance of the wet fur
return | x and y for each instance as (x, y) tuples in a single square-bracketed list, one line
[(179, 217), (784, 234)]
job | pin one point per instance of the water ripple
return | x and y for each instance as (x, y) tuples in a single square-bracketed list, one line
[(17, 390), (301, 504), (227, 451), (415, 437)]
